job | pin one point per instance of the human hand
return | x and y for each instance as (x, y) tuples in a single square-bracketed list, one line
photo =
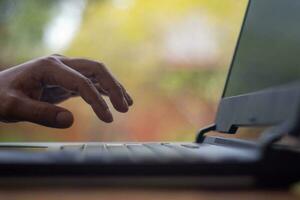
[(29, 91)]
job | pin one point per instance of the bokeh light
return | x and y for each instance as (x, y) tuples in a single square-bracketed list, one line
[(171, 55)]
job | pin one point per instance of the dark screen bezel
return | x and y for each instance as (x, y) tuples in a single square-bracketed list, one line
[(265, 107), (236, 48)]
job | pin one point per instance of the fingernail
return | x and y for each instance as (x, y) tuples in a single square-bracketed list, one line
[(125, 105), (129, 99), (108, 116), (64, 119)]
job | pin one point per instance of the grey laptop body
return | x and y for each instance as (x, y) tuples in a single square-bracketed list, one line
[(262, 89)]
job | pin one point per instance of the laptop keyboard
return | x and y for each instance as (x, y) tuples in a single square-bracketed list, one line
[(124, 153), (153, 153), (134, 152)]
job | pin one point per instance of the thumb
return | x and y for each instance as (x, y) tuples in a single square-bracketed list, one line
[(43, 113)]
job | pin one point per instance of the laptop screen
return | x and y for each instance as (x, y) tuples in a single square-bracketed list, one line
[(268, 52)]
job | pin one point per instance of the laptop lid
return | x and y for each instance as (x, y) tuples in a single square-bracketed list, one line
[(262, 85)]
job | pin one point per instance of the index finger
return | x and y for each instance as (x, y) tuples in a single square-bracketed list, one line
[(116, 92), (56, 73)]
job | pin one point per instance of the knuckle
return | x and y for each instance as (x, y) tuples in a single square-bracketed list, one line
[(99, 66), (85, 89), (48, 61), (85, 82), (57, 55), (118, 88), (116, 91), (9, 104)]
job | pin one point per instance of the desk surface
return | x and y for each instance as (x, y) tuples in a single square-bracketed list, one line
[(115, 193)]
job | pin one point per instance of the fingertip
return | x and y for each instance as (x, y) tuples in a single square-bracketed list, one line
[(108, 118), (120, 104), (130, 102), (108, 121), (129, 99), (124, 107), (64, 119)]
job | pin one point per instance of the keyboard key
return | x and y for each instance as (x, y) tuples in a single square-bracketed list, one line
[(191, 146), (72, 147), (141, 154)]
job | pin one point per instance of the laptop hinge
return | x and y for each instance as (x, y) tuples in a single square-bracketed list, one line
[(289, 127), (200, 135)]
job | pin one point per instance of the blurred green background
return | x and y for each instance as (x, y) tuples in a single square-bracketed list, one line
[(171, 55)]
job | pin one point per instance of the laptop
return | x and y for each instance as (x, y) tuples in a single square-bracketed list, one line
[(262, 89)]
